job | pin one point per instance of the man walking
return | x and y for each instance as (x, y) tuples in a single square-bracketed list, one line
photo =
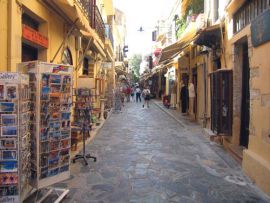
[(138, 94), (146, 93)]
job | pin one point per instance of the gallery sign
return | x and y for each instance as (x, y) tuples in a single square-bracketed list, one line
[(260, 29), (4, 76), (34, 36)]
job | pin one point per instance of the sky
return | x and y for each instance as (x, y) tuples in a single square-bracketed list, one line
[(143, 13)]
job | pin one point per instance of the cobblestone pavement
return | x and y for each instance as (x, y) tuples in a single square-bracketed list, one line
[(144, 155)]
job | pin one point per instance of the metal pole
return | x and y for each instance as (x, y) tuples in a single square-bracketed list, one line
[(69, 32)]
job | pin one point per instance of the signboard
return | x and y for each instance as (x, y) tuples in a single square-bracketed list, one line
[(34, 36), (9, 77), (106, 65), (183, 64), (260, 29)]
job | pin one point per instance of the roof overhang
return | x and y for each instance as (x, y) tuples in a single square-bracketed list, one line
[(169, 52), (72, 10), (210, 36)]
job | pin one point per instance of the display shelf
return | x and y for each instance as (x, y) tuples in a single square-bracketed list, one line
[(51, 94), (82, 118), (15, 111)]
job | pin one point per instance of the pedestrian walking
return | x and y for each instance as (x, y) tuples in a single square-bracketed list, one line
[(146, 95), (117, 100), (128, 92), (138, 94), (132, 94)]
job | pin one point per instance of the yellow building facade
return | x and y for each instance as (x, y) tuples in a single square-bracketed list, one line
[(59, 32)]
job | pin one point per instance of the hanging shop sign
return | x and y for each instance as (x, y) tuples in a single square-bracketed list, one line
[(183, 64), (34, 36), (106, 65), (260, 29)]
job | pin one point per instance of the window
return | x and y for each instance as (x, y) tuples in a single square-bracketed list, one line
[(29, 21), (67, 57), (249, 11), (85, 66), (221, 102)]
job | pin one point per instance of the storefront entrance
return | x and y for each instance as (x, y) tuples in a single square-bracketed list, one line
[(245, 103), (29, 53)]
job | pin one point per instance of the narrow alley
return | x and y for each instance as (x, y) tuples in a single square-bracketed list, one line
[(144, 155)]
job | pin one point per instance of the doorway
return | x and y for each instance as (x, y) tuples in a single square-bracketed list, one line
[(29, 53), (195, 83), (245, 103)]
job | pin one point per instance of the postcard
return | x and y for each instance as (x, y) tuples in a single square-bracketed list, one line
[(8, 166), (54, 126), (9, 191), (8, 178), (56, 79), (8, 119), (44, 134), (11, 92), (53, 163), (9, 131), (66, 79), (65, 143), (8, 144), (65, 124), (64, 168), (55, 88), (55, 136), (66, 115), (45, 80), (9, 155), (54, 145), (2, 91), (65, 134), (44, 160), (53, 172), (7, 106), (44, 172), (44, 147)]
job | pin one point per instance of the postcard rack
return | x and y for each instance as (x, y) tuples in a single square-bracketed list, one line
[(51, 94), (82, 119), (15, 108)]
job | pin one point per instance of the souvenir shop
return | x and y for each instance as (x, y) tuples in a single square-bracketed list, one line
[(36, 105)]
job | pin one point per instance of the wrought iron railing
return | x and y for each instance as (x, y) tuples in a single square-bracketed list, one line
[(94, 17), (108, 33)]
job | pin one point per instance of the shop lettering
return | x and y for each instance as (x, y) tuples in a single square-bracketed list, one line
[(9, 199), (8, 76), (32, 35)]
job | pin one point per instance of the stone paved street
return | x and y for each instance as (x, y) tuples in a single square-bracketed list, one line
[(144, 155)]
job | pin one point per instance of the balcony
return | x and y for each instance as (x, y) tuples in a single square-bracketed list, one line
[(90, 10), (108, 33)]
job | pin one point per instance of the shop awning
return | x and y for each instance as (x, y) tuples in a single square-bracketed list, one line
[(174, 49), (209, 37)]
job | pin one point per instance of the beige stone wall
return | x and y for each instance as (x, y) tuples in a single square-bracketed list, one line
[(256, 159)]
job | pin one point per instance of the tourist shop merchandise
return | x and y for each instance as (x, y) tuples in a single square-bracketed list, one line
[(51, 95), (15, 113)]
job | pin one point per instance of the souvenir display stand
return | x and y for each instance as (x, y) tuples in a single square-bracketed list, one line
[(15, 112), (82, 119), (51, 96)]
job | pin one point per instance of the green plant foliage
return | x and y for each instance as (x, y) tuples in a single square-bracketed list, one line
[(134, 63), (194, 7)]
